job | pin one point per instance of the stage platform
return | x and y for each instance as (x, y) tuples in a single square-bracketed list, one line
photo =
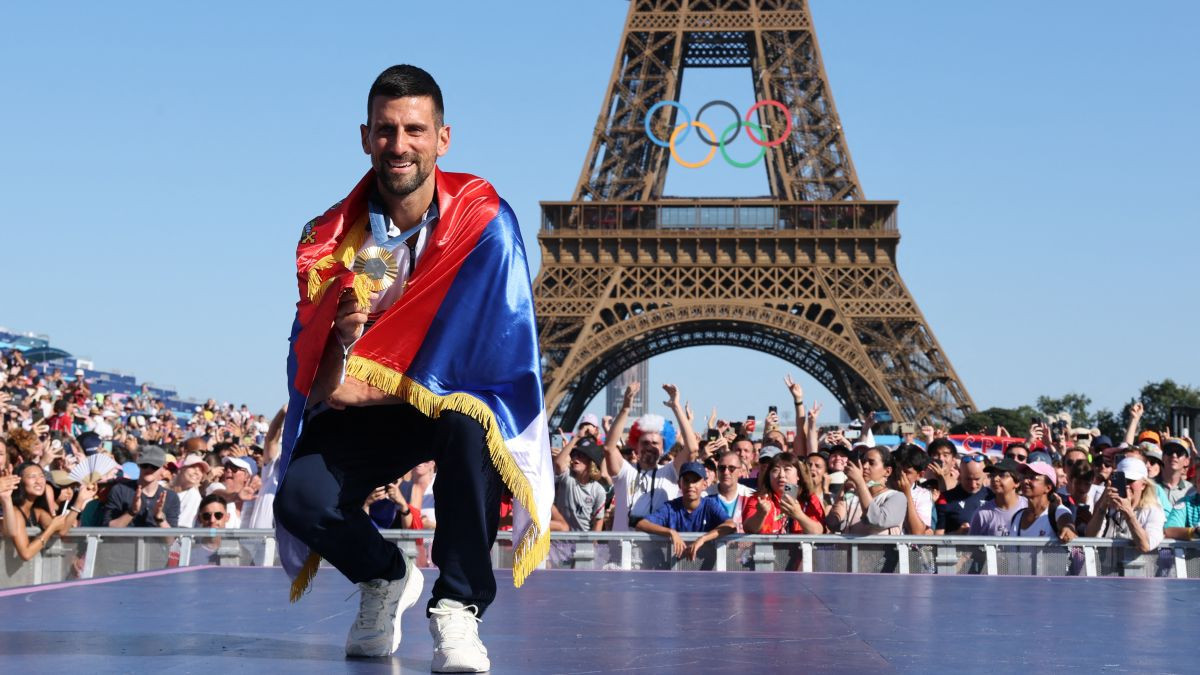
[(206, 620)]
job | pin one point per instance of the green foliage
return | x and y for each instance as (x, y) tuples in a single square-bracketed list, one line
[(1158, 397), (1015, 420), (1110, 424), (1074, 404)]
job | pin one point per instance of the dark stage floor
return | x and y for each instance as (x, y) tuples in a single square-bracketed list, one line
[(207, 620)]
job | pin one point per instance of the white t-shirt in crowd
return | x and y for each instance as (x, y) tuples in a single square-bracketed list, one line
[(1152, 519), (189, 504), (644, 490), (1040, 527)]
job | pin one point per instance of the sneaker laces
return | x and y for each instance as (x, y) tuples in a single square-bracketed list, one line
[(457, 624), (370, 608)]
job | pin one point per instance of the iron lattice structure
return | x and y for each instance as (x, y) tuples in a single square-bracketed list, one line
[(808, 274)]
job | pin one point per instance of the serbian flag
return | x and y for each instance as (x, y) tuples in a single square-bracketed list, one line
[(462, 337)]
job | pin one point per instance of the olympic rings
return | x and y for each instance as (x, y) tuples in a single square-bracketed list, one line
[(681, 131), (737, 126), (733, 110), (650, 113), (712, 149), (786, 115)]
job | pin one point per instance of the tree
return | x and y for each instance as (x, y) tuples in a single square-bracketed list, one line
[(1110, 424), (1157, 399), (1074, 404), (1015, 420)]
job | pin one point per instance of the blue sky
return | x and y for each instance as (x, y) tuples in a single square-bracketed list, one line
[(158, 159)]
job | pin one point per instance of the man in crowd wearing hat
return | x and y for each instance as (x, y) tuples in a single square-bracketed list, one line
[(237, 486), (994, 517), (1176, 457), (579, 498), (1183, 517), (143, 503), (690, 512)]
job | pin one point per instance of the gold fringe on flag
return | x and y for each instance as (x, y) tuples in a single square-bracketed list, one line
[(534, 545), (302, 581)]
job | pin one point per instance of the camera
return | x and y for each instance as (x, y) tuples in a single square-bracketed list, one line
[(791, 489)]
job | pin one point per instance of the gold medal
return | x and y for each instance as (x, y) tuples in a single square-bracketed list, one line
[(378, 266)]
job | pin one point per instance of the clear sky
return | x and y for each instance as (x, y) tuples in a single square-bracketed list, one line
[(157, 161)]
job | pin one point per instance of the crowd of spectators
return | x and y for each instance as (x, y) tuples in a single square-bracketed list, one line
[(813, 480), (69, 458)]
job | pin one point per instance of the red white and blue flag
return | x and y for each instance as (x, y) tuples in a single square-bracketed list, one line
[(461, 337)]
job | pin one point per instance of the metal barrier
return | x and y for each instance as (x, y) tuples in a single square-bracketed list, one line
[(96, 552)]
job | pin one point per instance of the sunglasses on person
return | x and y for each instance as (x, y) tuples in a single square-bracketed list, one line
[(1017, 457), (973, 458), (728, 467), (214, 516)]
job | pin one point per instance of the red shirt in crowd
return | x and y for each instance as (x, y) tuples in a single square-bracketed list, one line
[(776, 521)]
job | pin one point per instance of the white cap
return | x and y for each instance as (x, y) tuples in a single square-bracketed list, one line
[(1133, 468)]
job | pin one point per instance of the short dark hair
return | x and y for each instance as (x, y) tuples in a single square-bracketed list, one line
[(212, 499), (911, 457), (405, 80), (939, 443)]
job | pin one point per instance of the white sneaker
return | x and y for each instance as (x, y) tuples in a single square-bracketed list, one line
[(376, 631), (456, 645)]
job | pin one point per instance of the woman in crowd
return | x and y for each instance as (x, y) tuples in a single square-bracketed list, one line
[(1038, 483), (873, 508), (1137, 516), (774, 509), (787, 502), (25, 502), (818, 473)]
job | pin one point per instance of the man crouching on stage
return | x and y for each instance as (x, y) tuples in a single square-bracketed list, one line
[(414, 341)]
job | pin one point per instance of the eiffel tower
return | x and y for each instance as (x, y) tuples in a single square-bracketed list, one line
[(808, 275)]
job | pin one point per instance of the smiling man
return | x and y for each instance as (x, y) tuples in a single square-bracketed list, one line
[(414, 340)]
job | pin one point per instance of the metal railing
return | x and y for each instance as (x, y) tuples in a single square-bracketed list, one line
[(719, 214), (96, 552)]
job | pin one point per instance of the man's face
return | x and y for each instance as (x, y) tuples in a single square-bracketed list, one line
[(650, 448), (1003, 483), (1177, 458), (213, 515), (745, 450), (234, 478), (148, 473), (1018, 454), (1074, 457), (971, 476), (404, 142), (690, 487), (729, 469), (946, 455), (838, 461)]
